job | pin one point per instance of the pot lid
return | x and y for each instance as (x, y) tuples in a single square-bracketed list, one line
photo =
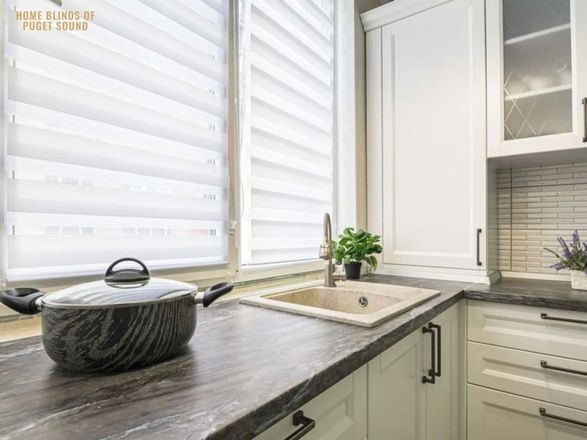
[(120, 287)]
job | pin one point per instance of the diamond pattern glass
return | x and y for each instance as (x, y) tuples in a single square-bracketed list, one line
[(537, 68)]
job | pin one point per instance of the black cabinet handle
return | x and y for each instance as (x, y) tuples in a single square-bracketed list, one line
[(305, 424), (431, 378), (555, 318), (479, 262), (543, 413), (584, 102), (545, 365), (438, 371)]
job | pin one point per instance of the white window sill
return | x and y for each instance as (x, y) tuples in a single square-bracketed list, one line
[(265, 271)]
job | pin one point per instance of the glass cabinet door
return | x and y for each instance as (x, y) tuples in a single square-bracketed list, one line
[(537, 68)]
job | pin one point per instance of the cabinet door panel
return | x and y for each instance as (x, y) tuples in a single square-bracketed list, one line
[(433, 136), (494, 415), (536, 67), (443, 397), (340, 413), (401, 406), (580, 41), (394, 390)]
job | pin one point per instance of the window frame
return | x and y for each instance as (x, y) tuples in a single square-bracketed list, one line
[(3, 180)]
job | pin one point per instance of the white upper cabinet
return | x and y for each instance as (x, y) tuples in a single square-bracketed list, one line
[(537, 75), (427, 133)]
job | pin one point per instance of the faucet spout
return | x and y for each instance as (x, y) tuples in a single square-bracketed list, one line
[(327, 228), (326, 253), (326, 246)]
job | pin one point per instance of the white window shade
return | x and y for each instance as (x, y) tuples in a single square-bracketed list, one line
[(287, 127), (116, 140)]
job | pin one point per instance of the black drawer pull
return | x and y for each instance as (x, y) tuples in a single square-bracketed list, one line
[(307, 424), (544, 364), (431, 378), (543, 413), (555, 318), (438, 371)]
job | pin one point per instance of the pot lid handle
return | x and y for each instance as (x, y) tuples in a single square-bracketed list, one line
[(126, 275)]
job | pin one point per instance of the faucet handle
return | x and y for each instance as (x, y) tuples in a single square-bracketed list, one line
[(339, 276), (326, 251)]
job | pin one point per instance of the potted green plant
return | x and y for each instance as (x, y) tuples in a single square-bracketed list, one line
[(573, 256), (355, 247)]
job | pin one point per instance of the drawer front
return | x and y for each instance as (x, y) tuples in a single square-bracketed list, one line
[(495, 415), (339, 413), (529, 374), (525, 328)]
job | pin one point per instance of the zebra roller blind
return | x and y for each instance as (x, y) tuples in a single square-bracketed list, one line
[(287, 88), (116, 139)]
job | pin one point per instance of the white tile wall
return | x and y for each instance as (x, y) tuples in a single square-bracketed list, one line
[(535, 205)]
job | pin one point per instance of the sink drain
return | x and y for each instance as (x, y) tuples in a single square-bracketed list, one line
[(363, 301)]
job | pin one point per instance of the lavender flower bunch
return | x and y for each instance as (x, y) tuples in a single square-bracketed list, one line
[(574, 254)]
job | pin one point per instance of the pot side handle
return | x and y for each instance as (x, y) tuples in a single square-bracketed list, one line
[(215, 292), (22, 299)]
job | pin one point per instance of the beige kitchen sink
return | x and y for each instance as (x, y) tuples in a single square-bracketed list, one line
[(351, 302)]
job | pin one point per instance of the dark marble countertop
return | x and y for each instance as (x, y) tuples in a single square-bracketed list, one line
[(539, 293), (245, 369)]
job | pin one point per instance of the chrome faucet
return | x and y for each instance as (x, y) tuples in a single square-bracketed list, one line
[(326, 253)]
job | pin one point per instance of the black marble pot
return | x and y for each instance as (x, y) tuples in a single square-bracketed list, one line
[(124, 321), (118, 338)]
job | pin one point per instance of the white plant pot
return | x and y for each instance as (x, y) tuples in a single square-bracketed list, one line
[(578, 280)]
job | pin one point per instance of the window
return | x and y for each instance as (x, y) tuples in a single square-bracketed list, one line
[(116, 141), (117, 134), (287, 113)]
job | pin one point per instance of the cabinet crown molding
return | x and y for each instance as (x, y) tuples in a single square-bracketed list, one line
[(394, 11)]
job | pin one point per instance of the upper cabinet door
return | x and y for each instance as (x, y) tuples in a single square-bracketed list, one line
[(537, 72), (433, 137)]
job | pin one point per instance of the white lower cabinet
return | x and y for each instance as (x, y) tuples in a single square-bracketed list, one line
[(387, 399), (443, 408), (339, 413), (527, 373), (402, 404), (396, 407), (495, 415)]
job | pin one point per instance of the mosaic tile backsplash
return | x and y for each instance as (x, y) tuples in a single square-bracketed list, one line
[(535, 205)]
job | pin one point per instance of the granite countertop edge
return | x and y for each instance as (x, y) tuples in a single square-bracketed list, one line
[(532, 301), (532, 293)]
